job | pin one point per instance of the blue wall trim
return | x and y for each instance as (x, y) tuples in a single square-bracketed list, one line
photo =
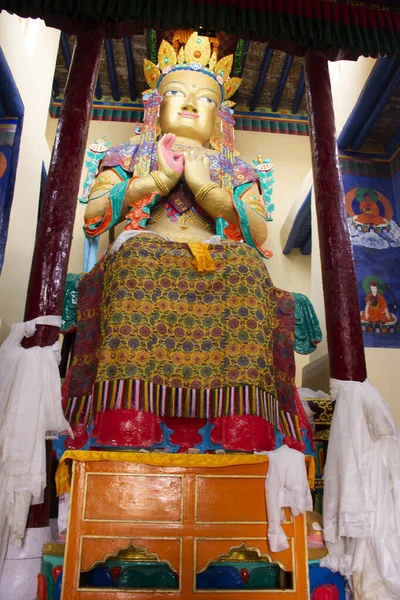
[(12, 105)]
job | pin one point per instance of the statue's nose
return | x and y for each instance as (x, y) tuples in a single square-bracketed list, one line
[(189, 106)]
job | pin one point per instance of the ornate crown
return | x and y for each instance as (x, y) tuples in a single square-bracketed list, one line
[(196, 55)]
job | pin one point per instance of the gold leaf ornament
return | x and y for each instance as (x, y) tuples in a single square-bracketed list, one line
[(231, 86), (223, 67), (213, 60), (151, 73), (181, 56), (198, 50), (166, 56)]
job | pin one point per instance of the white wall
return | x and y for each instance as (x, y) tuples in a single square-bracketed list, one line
[(30, 49)]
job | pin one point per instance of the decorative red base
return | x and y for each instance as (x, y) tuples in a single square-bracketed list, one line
[(245, 433), (186, 431), (127, 428)]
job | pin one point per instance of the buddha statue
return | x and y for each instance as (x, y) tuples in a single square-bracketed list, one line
[(179, 320)]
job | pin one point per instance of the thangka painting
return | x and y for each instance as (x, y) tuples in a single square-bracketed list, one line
[(373, 222)]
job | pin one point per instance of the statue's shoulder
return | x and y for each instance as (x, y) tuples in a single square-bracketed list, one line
[(121, 155), (242, 171)]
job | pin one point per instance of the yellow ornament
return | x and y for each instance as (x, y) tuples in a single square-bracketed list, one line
[(166, 56), (181, 56), (198, 50), (231, 86), (223, 67), (151, 73), (213, 61)]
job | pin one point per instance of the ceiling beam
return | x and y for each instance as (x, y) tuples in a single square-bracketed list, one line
[(282, 82), (56, 88), (261, 78), (379, 79), (65, 49), (67, 54), (393, 143), (131, 68), (377, 110), (245, 53), (111, 69), (299, 93)]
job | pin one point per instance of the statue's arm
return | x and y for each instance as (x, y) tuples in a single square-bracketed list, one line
[(139, 187), (113, 182), (218, 203)]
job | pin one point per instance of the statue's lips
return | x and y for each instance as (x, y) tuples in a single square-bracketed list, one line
[(188, 115)]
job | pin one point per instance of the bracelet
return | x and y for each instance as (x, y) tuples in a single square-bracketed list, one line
[(159, 183), (203, 191)]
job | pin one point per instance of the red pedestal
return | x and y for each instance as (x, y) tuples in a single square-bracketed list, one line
[(53, 241), (345, 343)]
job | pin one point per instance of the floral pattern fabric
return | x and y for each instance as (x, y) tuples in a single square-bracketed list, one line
[(155, 334)]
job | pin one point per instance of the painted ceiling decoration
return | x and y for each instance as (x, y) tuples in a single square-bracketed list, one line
[(270, 99), (356, 27)]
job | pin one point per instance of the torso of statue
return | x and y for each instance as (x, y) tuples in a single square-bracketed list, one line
[(182, 223)]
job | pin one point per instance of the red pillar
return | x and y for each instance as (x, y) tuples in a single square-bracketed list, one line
[(345, 343), (54, 236)]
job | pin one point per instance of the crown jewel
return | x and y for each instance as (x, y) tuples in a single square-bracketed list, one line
[(196, 55)]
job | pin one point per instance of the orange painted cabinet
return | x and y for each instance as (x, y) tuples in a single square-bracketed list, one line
[(143, 531)]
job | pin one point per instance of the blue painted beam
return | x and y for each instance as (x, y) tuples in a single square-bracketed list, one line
[(299, 93), (245, 53), (300, 233), (98, 91), (131, 68), (111, 69), (9, 94), (377, 110), (65, 49), (261, 78), (3, 112), (282, 82), (379, 79), (307, 246), (56, 88), (393, 143)]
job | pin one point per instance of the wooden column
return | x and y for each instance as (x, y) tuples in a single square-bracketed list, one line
[(57, 215), (344, 336)]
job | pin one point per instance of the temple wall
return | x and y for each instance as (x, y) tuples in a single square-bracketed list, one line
[(30, 49)]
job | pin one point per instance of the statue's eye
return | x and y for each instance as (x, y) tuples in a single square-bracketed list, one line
[(207, 100), (174, 93)]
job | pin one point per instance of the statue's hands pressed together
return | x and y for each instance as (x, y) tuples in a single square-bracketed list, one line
[(170, 163)]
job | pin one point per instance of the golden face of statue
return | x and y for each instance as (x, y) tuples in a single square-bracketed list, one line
[(190, 106)]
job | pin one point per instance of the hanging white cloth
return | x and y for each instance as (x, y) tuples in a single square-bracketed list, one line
[(286, 485), (30, 413), (362, 491)]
